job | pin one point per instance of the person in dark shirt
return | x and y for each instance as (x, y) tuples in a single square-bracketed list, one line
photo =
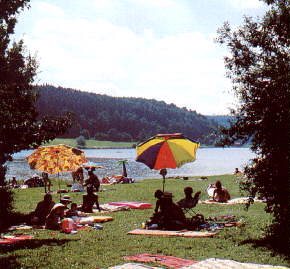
[(92, 181), (89, 200), (158, 195), (46, 182), (42, 210), (189, 201)]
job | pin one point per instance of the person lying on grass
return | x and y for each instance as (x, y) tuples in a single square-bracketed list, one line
[(189, 201), (89, 200)]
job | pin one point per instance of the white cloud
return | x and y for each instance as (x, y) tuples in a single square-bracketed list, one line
[(246, 4), (97, 55), (103, 4), (48, 9)]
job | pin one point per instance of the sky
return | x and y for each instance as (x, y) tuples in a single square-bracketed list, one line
[(154, 49)]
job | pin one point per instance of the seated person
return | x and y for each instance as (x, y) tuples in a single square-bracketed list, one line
[(237, 171), (170, 217), (189, 201), (220, 193), (89, 200), (72, 212), (14, 183), (65, 200), (42, 210), (53, 220), (158, 195), (77, 188)]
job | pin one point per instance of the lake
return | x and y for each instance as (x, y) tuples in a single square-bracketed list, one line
[(209, 161)]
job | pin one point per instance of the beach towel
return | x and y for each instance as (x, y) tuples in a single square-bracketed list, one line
[(20, 227), (229, 264), (94, 219), (113, 208), (172, 233), (169, 261), (133, 266), (133, 205), (10, 239), (240, 200)]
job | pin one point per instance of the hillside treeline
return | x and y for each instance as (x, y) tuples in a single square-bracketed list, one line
[(105, 117)]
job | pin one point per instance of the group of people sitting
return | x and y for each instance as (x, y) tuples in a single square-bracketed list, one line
[(171, 216), (50, 214)]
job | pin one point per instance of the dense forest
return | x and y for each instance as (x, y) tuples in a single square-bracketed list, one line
[(105, 117), (222, 120)]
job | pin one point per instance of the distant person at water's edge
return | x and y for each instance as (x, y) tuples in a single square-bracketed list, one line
[(93, 181)]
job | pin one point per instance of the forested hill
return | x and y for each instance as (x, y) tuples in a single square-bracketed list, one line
[(223, 120), (120, 118)]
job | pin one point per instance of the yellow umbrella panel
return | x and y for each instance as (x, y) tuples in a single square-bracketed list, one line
[(55, 159)]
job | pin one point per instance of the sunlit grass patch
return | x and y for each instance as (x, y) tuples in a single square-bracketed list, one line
[(104, 248)]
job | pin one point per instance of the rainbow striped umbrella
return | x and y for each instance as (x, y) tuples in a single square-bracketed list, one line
[(167, 151)]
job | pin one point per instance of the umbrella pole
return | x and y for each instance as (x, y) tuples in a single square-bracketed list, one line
[(163, 182), (58, 185)]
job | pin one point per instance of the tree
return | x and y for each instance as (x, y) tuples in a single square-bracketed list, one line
[(20, 127), (259, 67)]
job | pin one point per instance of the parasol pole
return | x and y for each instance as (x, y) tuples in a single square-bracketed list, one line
[(59, 185), (163, 172), (163, 182)]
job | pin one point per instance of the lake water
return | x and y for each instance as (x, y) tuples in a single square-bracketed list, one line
[(209, 161)]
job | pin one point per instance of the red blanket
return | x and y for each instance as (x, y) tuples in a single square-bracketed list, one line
[(169, 261), (9, 239), (133, 205)]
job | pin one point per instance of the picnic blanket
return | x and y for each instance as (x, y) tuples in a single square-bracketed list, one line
[(10, 239), (169, 261), (172, 233), (229, 264), (112, 208), (240, 200), (94, 219), (133, 266), (20, 227), (132, 205)]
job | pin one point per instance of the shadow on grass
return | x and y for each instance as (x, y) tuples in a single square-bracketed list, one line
[(274, 247), (10, 262), (34, 243)]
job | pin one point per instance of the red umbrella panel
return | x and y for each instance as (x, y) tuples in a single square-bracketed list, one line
[(167, 151)]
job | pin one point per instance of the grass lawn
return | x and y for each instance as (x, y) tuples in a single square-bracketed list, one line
[(104, 248), (91, 143)]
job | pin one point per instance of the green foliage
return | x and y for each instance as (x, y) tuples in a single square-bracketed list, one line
[(260, 72), (92, 143), (20, 127), (105, 248), (120, 118), (81, 141), (6, 198)]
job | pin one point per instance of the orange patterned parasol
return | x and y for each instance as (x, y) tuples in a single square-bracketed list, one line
[(55, 159)]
